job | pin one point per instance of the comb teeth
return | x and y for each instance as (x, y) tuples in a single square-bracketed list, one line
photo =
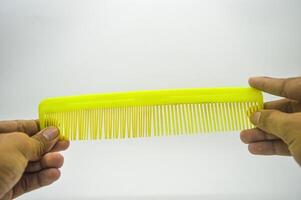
[(147, 121)]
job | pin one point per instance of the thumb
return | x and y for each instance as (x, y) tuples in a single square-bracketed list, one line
[(277, 123), (41, 143)]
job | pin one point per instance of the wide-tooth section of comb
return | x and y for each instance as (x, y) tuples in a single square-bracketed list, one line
[(152, 120)]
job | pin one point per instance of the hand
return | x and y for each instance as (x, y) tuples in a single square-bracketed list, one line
[(28, 157), (278, 129)]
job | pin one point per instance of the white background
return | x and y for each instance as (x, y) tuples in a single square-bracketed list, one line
[(53, 48)]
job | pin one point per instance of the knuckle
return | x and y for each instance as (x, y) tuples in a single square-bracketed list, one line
[(291, 88), (291, 128), (296, 105), (21, 139), (41, 147), (25, 184), (20, 134), (8, 174), (297, 88), (284, 87), (20, 125), (25, 142), (264, 83)]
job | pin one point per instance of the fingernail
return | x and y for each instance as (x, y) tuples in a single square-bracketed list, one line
[(255, 118), (50, 133), (251, 79)]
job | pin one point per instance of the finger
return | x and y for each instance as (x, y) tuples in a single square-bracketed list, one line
[(49, 160), (33, 148), (33, 181), (30, 127), (289, 88), (273, 147), (283, 125), (256, 135), (61, 146), (284, 105)]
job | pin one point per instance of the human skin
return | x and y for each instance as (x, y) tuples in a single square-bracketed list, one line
[(29, 157), (278, 125)]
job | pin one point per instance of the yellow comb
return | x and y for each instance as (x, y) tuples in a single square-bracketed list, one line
[(150, 113)]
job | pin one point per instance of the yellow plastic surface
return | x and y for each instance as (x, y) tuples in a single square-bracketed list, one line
[(150, 113)]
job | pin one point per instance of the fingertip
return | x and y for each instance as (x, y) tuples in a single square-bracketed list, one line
[(48, 176), (254, 149), (258, 81), (53, 174), (60, 160), (64, 144), (53, 160), (243, 136), (61, 145), (261, 148), (252, 80)]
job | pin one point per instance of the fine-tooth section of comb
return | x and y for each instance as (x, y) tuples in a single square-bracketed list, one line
[(151, 113)]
